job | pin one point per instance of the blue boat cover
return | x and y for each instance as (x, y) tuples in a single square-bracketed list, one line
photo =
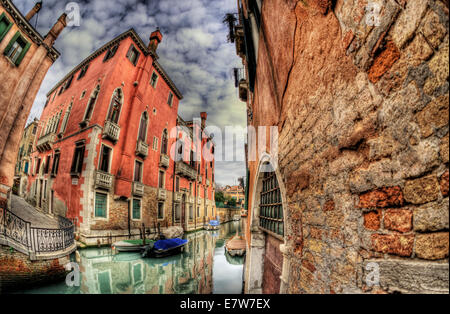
[(214, 223), (169, 243)]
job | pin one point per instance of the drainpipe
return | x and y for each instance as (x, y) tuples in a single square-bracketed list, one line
[(129, 224), (173, 182)]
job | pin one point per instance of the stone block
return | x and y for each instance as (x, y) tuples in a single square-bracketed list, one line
[(433, 116), (444, 184), (407, 276), (381, 198), (422, 190), (432, 29), (444, 149), (372, 220), (440, 70), (408, 21), (398, 220), (431, 217), (396, 244), (432, 246)]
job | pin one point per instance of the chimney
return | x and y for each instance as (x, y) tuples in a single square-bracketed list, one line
[(155, 39), (56, 30), (203, 115), (37, 7)]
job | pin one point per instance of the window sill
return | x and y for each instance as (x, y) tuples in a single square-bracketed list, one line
[(74, 175)]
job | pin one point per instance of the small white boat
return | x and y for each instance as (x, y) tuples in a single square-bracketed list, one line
[(130, 245)]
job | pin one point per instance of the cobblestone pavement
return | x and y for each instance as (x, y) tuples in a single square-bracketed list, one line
[(27, 212)]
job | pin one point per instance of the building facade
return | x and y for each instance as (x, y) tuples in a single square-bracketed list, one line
[(23, 158), (235, 192), (25, 59), (355, 198), (106, 147)]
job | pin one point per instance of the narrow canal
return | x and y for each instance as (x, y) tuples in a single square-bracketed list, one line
[(203, 268)]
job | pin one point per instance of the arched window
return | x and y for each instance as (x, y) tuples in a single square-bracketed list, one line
[(91, 103), (270, 206), (116, 106), (164, 142), (143, 127)]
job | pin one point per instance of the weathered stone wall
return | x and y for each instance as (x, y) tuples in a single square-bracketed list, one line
[(18, 272), (362, 113)]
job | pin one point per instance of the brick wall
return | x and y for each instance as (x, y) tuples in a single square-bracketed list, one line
[(363, 148)]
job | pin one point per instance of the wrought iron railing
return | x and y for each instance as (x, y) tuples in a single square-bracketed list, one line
[(18, 233)]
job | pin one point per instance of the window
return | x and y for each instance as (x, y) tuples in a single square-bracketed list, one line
[(133, 55), (66, 119), (143, 127), (160, 210), (91, 103), (83, 94), (55, 164), (138, 171), (78, 157), (38, 165), (271, 207), (190, 188), (47, 164), (17, 48), (198, 211), (161, 180), (164, 142), (110, 53), (191, 212), (5, 26), (105, 158), (170, 99), (69, 82), (155, 143), (101, 201), (116, 106), (34, 130), (136, 213), (83, 71), (177, 212), (177, 184), (154, 80), (61, 90)]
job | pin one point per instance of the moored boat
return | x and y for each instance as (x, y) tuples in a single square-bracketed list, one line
[(130, 245), (212, 225), (163, 248)]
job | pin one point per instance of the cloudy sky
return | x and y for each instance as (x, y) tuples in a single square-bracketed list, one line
[(194, 52)]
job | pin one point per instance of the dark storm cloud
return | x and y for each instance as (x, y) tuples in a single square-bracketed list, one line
[(194, 52)]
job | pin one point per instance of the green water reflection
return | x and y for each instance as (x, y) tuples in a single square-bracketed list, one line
[(203, 268)]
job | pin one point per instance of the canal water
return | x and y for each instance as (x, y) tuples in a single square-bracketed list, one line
[(203, 268)]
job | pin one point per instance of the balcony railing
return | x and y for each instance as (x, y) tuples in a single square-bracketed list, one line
[(185, 170), (243, 87), (162, 194), (46, 142), (103, 180), (164, 161), (138, 189), (177, 196), (111, 131), (142, 148)]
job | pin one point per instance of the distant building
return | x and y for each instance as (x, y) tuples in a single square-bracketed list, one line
[(235, 192), (104, 142), (25, 57), (23, 158)]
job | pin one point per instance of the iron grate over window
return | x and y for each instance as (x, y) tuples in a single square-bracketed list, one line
[(271, 207)]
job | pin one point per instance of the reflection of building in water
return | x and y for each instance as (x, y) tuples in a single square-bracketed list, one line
[(190, 272)]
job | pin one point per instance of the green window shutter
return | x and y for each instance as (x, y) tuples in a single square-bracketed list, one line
[(23, 53), (13, 40), (100, 205), (136, 209), (5, 26)]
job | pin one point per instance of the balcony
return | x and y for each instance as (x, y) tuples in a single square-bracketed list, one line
[(240, 41), (162, 194), (177, 196), (46, 142), (164, 161), (103, 180), (142, 148), (138, 189), (111, 131), (185, 170)]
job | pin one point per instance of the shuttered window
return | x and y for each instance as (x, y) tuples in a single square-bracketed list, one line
[(136, 209), (17, 48), (133, 55), (5, 26), (100, 205)]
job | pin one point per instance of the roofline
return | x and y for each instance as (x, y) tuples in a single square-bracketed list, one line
[(137, 39), (27, 28)]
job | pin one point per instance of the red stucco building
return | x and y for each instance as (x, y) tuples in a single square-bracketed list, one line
[(104, 143)]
